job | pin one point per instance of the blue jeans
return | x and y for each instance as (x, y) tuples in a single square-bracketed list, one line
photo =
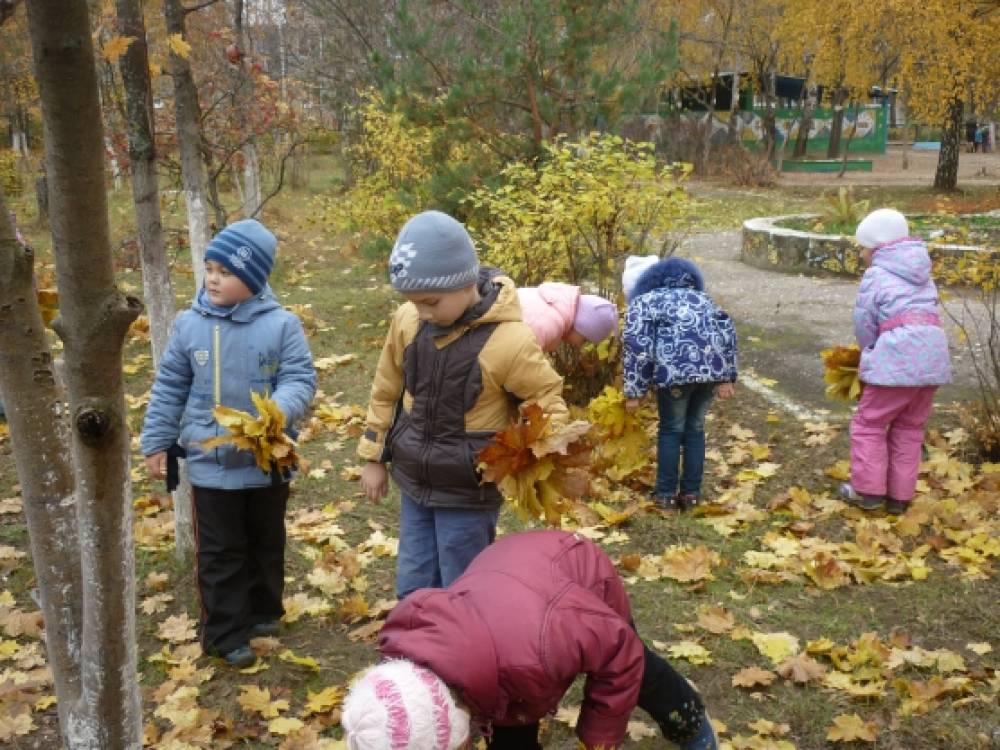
[(436, 545), (682, 426)]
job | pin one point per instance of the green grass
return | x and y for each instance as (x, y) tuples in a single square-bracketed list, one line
[(349, 295)]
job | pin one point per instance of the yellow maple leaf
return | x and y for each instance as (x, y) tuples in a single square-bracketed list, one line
[(692, 651), (801, 669), (115, 47), (840, 471), (354, 609), (769, 728), (178, 46), (303, 661), (177, 629), (540, 468), (15, 726), (263, 435), (284, 725), (324, 701), (850, 728), (715, 620), (776, 646), (841, 365), (686, 564), (258, 700), (753, 676)]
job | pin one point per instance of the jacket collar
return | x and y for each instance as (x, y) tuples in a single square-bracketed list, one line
[(241, 312)]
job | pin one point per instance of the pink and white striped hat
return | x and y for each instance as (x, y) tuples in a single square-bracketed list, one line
[(397, 705)]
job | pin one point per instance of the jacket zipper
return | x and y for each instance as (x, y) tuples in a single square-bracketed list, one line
[(429, 423), (217, 379), (217, 375)]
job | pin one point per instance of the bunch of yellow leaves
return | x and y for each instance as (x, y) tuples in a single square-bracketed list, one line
[(841, 375), (620, 434), (539, 467), (263, 435)]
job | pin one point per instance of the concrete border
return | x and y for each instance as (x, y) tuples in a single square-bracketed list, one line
[(771, 247)]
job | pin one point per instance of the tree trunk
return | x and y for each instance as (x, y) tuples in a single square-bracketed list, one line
[(156, 285), (251, 181), (145, 189), (38, 429), (946, 176), (850, 137), (187, 111), (94, 318), (802, 141), (837, 126), (733, 134)]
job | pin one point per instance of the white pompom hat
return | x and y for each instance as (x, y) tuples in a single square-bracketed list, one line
[(397, 705), (881, 227), (635, 265)]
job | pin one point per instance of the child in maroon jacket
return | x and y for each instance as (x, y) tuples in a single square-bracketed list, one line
[(501, 645)]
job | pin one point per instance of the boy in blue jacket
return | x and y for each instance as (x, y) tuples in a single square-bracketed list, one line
[(235, 340), (677, 340)]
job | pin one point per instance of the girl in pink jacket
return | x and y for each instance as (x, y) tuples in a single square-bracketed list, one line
[(559, 312), (904, 358)]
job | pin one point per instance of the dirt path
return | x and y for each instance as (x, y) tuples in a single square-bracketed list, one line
[(784, 320)]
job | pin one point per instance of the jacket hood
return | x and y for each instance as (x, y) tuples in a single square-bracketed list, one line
[(906, 259), (446, 634), (670, 273), (241, 312)]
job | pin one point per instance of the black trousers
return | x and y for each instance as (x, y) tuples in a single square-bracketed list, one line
[(240, 539), (664, 694)]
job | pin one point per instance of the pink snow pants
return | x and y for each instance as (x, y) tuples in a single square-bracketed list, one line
[(886, 435)]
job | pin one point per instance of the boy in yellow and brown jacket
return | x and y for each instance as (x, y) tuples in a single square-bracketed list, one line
[(457, 361)]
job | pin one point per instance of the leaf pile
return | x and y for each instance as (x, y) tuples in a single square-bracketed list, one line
[(841, 375), (539, 467), (263, 435)]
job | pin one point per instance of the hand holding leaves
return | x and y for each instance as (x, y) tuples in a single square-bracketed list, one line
[(263, 435)]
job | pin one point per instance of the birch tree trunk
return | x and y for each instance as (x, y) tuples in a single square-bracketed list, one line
[(946, 174), (156, 283), (94, 318), (188, 116), (37, 419), (156, 286)]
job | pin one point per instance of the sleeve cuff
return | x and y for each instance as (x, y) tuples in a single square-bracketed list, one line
[(371, 446)]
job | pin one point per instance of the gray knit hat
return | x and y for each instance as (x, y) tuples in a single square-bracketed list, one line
[(433, 253)]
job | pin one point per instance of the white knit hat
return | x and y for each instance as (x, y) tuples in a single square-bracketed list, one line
[(634, 267), (881, 227), (397, 705)]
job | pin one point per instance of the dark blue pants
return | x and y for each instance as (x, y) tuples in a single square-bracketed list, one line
[(682, 429)]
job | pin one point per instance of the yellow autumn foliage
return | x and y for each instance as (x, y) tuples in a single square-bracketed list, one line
[(263, 435), (539, 467), (841, 373)]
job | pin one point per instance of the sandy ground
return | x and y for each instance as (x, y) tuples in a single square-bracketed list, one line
[(887, 169), (786, 319)]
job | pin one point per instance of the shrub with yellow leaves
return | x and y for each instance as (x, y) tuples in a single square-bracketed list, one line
[(541, 468), (841, 375), (263, 435)]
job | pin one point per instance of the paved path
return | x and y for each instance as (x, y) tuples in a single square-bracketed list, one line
[(784, 320)]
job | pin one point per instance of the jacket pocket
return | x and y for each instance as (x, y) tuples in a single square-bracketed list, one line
[(196, 428)]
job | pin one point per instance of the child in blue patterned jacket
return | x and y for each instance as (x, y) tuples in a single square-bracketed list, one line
[(678, 341)]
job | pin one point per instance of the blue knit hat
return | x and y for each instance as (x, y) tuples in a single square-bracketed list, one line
[(247, 249), (433, 253)]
